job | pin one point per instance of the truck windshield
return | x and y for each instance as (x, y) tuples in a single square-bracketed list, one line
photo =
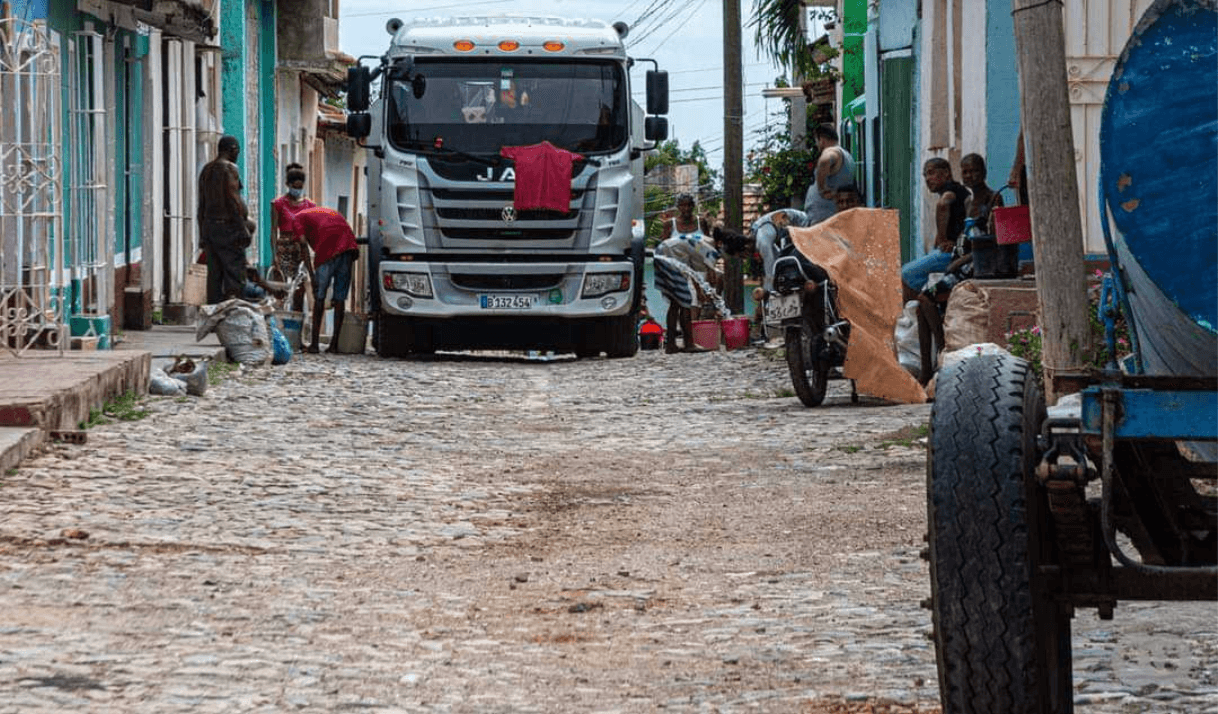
[(479, 107)]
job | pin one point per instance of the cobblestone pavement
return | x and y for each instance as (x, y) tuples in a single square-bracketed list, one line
[(493, 534)]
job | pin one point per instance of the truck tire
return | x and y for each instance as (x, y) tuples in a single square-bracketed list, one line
[(621, 336), (389, 336), (1002, 643), (809, 374), (395, 336)]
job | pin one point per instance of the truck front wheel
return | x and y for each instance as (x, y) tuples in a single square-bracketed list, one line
[(1002, 641), (621, 336), (394, 336)]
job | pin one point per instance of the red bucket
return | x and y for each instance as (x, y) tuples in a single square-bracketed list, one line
[(706, 334), (736, 332), (1012, 225)]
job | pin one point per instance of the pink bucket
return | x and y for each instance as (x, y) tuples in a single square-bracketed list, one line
[(1012, 225), (706, 334), (736, 332)]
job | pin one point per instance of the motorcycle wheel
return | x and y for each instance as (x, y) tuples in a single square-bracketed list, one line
[(809, 374)]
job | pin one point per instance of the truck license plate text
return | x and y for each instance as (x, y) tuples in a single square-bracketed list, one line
[(508, 302)]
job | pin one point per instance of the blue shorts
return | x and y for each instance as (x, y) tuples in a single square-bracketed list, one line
[(916, 272), (336, 270)]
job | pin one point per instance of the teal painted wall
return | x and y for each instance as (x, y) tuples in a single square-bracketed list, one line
[(268, 23), (140, 180), (232, 74), (63, 18), (1001, 92), (122, 126)]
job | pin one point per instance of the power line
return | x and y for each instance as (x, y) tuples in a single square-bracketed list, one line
[(667, 18), (703, 89), (718, 68), (648, 12), (676, 29), (390, 13), (625, 12)]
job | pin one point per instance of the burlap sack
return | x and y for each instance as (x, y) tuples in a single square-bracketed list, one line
[(967, 318)]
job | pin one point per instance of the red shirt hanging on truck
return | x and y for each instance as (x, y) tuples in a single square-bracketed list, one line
[(543, 176)]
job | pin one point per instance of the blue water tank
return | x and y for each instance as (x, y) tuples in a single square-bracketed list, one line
[(1159, 178)]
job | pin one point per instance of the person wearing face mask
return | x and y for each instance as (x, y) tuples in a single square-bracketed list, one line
[(289, 253)]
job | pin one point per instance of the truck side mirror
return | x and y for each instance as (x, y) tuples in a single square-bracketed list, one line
[(359, 87), (655, 128), (657, 91), (359, 125)]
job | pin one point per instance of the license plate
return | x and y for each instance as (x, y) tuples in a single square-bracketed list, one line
[(508, 302), (782, 307)]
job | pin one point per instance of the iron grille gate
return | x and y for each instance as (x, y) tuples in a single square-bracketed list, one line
[(32, 287)]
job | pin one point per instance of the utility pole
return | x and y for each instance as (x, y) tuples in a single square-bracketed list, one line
[(1057, 230), (733, 150)]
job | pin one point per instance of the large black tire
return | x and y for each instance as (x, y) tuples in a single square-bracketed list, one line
[(809, 374), (387, 337), (621, 336), (1002, 642), (394, 336)]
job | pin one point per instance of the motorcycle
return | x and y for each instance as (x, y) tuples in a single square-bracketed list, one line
[(803, 303)]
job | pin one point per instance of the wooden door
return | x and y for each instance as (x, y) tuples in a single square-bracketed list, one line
[(1096, 32)]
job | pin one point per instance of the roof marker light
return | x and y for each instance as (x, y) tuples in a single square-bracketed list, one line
[(463, 45), (554, 46), (509, 45)]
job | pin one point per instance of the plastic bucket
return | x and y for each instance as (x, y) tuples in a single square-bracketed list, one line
[(290, 324), (353, 337), (1012, 225), (736, 332), (706, 334), (993, 261)]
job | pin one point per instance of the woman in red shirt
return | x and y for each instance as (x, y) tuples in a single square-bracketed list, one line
[(289, 253)]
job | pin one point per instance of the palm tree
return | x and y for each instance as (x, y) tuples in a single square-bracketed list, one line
[(777, 30)]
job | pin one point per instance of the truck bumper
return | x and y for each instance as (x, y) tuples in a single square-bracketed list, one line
[(491, 290)]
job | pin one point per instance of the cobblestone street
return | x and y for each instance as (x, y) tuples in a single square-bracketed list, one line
[(496, 534)]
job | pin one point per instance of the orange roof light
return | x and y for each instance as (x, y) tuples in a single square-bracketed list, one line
[(553, 46), (463, 45), (509, 45)]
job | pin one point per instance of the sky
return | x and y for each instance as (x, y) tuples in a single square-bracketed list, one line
[(684, 36)]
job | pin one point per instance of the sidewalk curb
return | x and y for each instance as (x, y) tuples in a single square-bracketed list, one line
[(16, 443)]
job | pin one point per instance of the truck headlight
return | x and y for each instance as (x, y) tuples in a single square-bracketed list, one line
[(596, 284), (418, 284)]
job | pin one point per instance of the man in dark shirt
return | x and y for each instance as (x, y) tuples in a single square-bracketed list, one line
[(949, 222), (225, 229)]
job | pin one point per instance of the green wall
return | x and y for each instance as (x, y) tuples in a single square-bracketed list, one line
[(854, 26), (897, 155)]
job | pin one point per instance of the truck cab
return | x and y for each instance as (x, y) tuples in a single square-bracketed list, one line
[(453, 264)]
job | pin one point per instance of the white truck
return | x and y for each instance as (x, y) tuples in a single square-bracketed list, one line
[(452, 263)]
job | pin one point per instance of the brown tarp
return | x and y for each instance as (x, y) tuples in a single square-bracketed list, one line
[(860, 249)]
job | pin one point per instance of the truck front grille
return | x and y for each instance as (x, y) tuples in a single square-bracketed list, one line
[(496, 215), (506, 233), (472, 212), (478, 281)]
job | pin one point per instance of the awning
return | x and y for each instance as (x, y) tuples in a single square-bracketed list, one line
[(857, 108)]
